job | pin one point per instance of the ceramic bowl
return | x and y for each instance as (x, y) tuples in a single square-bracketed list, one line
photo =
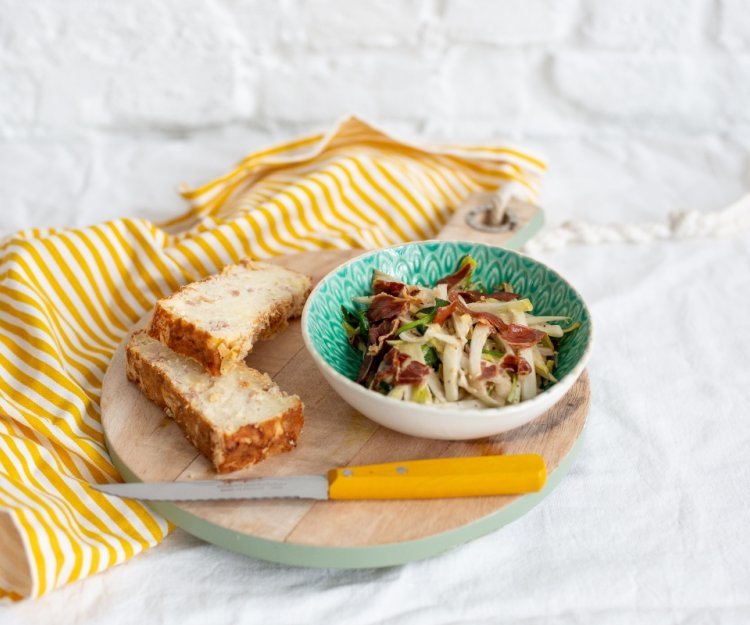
[(424, 263)]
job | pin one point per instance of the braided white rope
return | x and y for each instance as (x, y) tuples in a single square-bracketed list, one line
[(679, 225)]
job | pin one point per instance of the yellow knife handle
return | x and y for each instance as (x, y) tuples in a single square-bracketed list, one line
[(441, 477)]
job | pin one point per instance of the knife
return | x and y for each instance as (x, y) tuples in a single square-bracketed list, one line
[(411, 479)]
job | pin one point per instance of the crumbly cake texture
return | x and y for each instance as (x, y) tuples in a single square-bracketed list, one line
[(234, 420), (217, 320)]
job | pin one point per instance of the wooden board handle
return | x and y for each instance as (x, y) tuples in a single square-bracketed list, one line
[(438, 478), (470, 222)]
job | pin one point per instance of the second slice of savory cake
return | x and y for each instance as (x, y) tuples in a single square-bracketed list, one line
[(235, 420), (217, 321)]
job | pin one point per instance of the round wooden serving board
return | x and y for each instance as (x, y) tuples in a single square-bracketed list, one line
[(147, 446)]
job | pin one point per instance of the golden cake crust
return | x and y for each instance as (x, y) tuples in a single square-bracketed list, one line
[(195, 321), (228, 450)]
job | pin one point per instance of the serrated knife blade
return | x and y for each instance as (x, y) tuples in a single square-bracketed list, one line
[(299, 487), (410, 479)]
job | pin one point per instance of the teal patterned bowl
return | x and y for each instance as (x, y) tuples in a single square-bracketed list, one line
[(424, 263)]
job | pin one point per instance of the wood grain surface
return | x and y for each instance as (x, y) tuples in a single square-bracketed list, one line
[(154, 449)]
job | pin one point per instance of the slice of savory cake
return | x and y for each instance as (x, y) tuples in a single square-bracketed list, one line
[(217, 321), (234, 420)]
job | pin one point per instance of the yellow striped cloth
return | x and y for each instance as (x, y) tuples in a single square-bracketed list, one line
[(68, 296)]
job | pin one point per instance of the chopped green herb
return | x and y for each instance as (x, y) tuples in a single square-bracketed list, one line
[(467, 260), (514, 396), (350, 331), (357, 321), (417, 323), (439, 303), (493, 353), (425, 319), (349, 317), (431, 357)]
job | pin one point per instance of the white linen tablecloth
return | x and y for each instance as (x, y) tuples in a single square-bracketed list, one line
[(652, 525)]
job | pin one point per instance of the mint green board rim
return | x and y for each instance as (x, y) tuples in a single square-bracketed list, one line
[(524, 234), (352, 557)]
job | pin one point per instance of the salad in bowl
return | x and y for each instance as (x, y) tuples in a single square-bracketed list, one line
[(459, 342)]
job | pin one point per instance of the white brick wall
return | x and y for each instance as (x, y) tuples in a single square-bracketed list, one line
[(643, 24), (632, 89), (183, 66), (225, 76), (508, 22)]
